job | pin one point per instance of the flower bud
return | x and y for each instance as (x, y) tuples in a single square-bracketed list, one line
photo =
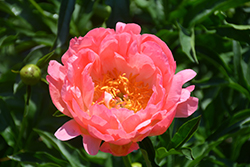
[(136, 164), (30, 74)]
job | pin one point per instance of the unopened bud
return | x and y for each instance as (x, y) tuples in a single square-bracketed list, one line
[(30, 74)]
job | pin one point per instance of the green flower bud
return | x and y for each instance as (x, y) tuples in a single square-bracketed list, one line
[(136, 164), (30, 74)]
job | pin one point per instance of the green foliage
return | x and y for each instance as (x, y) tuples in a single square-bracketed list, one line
[(209, 36)]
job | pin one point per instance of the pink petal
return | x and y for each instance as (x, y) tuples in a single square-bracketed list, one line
[(187, 75), (143, 64), (121, 137), (190, 88), (161, 126), (98, 34), (143, 125), (98, 121), (159, 52), (123, 44), (148, 112), (97, 134), (56, 70), (108, 46), (106, 114), (91, 144), (87, 87), (68, 131), (54, 89), (55, 79), (158, 96), (131, 123), (119, 150), (187, 108), (185, 94), (69, 52), (174, 94), (79, 112), (122, 113), (130, 28)]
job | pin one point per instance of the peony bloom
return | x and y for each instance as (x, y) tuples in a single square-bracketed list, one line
[(118, 87)]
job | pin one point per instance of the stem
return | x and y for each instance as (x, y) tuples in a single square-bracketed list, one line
[(24, 120), (127, 161), (145, 156), (148, 152)]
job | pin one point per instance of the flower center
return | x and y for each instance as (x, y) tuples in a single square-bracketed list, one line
[(126, 92)]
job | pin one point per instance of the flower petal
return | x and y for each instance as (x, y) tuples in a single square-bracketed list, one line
[(187, 75), (161, 126), (119, 150), (91, 144), (68, 131), (187, 108), (174, 94), (131, 123), (55, 79), (97, 134), (131, 28)]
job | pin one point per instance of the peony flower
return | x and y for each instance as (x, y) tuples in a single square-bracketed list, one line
[(118, 87)]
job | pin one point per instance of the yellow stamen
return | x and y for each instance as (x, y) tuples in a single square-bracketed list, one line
[(126, 92)]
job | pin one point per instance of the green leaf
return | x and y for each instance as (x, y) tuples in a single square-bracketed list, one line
[(185, 132), (45, 59), (6, 8), (58, 114), (8, 128), (148, 152), (202, 151), (239, 88), (232, 33), (154, 9), (221, 6), (66, 10), (237, 57), (187, 152), (230, 125), (102, 11), (238, 27), (162, 153), (212, 57), (73, 155), (39, 158), (238, 65), (246, 71), (8, 40), (187, 43)]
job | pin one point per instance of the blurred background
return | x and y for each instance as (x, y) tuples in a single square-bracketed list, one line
[(211, 37)]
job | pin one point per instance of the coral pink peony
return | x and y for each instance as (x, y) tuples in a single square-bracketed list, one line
[(118, 87)]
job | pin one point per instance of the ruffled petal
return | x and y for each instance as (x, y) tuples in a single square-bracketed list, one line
[(130, 28), (119, 150), (91, 144), (161, 126), (97, 134), (55, 79), (68, 131), (187, 108), (187, 75), (174, 94), (131, 123)]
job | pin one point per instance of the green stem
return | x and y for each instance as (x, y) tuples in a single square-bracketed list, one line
[(24, 120), (127, 161), (148, 152), (37, 7)]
